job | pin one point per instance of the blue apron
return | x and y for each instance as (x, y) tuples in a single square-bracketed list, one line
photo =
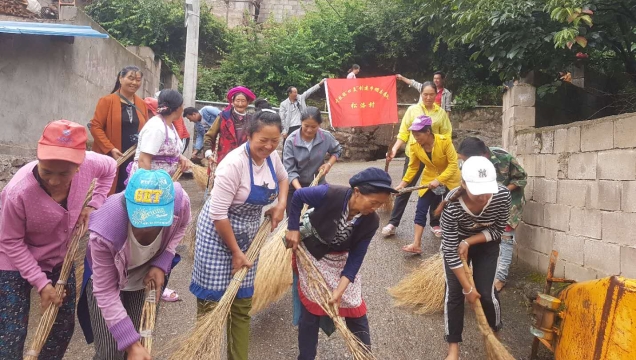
[(212, 270)]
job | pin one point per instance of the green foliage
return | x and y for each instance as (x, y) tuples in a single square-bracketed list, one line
[(159, 24), (472, 94)]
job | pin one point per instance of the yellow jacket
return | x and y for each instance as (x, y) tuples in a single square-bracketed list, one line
[(441, 123), (442, 167)]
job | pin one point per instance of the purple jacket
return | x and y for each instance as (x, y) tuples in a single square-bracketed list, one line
[(108, 258)]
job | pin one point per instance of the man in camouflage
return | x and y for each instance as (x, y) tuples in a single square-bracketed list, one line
[(514, 177)]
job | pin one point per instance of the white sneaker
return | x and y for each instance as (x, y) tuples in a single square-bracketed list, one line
[(389, 230)]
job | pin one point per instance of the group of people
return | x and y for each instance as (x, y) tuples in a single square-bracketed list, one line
[(138, 215)]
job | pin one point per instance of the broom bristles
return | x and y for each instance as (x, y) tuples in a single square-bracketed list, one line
[(206, 340), (494, 349), (424, 289), (50, 314), (200, 174), (274, 276)]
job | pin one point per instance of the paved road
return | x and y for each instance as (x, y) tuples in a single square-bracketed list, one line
[(396, 333)]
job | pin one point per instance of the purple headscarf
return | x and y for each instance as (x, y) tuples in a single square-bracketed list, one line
[(239, 89)]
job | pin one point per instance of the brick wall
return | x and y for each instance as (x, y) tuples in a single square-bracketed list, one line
[(581, 193)]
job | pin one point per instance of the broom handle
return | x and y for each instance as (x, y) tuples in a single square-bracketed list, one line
[(48, 318), (126, 155), (482, 321), (413, 188)]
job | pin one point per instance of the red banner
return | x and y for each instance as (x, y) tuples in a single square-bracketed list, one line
[(362, 102)]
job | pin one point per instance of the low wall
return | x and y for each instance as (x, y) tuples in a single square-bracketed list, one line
[(46, 78), (581, 197)]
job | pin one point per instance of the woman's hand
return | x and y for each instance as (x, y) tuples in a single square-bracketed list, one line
[(325, 168), (471, 295), (391, 154), (158, 276), (116, 154), (137, 351), (462, 250), (48, 296), (292, 237), (336, 296), (276, 215), (85, 214), (401, 186), (239, 260), (184, 163), (433, 184)]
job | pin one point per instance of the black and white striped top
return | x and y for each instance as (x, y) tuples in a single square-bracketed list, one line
[(458, 223)]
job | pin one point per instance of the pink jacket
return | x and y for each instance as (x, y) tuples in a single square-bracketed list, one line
[(108, 258), (35, 230)]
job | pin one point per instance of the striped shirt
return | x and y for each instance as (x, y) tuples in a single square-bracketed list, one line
[(458, 223)]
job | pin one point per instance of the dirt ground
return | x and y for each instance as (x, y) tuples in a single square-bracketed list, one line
[(395, 333)]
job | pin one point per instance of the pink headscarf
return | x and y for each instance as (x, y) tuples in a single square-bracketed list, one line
[(151, 104), (239, 89)]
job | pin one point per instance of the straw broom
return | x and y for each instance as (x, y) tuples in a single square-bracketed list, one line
[(494, 349), (274, 275), (48, 318), (318, 289), (424, 289), (206, 340), (126, 155), (148, 316)]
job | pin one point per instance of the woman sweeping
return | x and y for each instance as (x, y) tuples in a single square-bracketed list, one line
[(132, 242), (474, 217), (304, 152), (437, 154), (251, 177), (232, 129), (118, 119), (441, 125), (511, 175), (40, 207), (159, 145), (336, 232)]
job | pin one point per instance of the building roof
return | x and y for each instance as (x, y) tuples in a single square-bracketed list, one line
[(49, 29)]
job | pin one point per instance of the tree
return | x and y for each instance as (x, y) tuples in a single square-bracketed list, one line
[(160, 26)]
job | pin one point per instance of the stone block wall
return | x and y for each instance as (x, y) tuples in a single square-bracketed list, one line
[(581, 194), (278, 10)]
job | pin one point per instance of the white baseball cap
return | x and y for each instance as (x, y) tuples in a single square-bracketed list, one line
[(480, 176)]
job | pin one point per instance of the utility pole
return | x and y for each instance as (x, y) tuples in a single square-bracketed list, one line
[(192, 13)]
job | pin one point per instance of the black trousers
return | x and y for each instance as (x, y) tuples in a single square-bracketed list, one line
[(308, 328), (484, 260), (400, 201), (292, 129)]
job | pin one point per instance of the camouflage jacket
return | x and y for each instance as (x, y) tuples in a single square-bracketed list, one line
[(509, 171)]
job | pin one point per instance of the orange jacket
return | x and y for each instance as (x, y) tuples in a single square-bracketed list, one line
[(106, 125)]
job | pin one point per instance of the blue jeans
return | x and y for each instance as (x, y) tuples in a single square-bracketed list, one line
[(505, 254), (427, 205), (198, 140)]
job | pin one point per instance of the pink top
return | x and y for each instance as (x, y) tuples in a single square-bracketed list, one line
[(34, 229), (351, 75), (232, 182)]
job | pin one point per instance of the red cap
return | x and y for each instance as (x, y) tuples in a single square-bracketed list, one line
[(63, 140)]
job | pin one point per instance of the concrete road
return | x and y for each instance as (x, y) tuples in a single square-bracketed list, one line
[(396, 333)]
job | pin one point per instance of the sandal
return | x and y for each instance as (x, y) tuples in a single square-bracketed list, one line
[(411, 249), (437, 231), (170, 295)]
